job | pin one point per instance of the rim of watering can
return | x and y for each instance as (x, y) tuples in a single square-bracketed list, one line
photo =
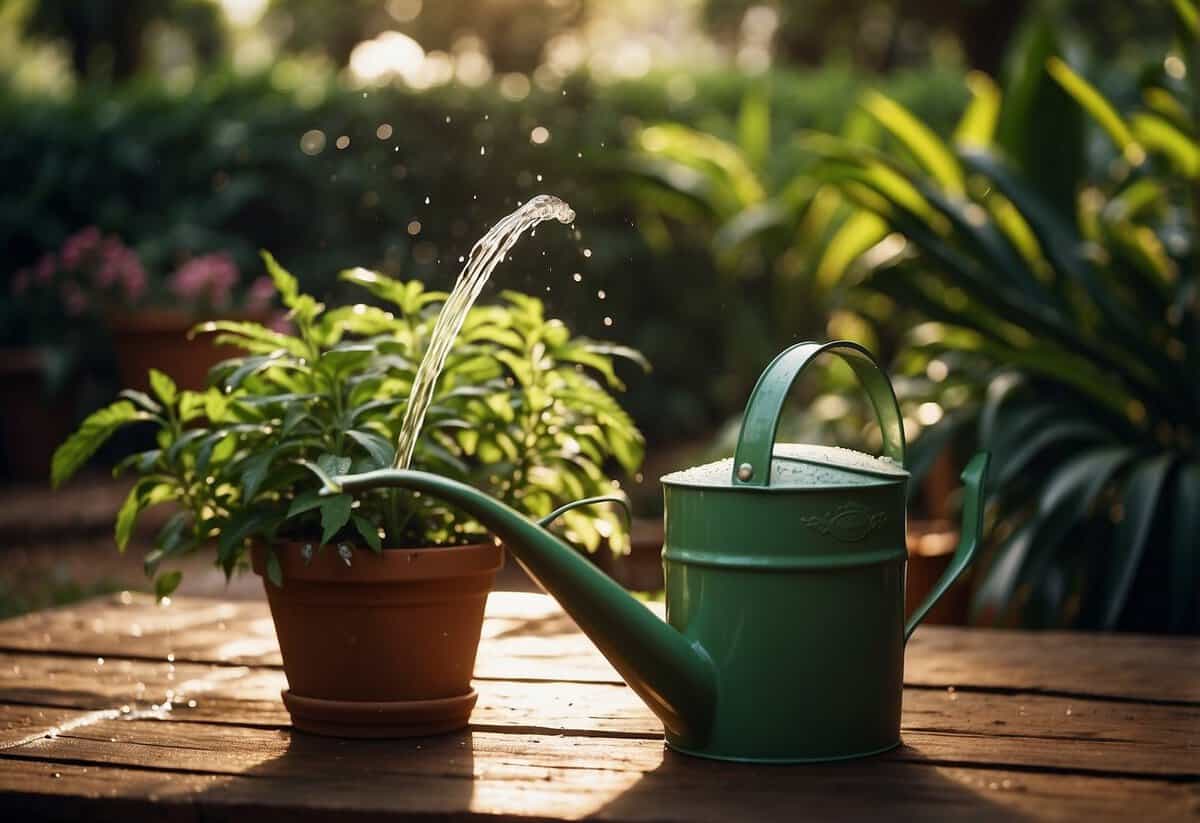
[(756, 446), (808, 459)]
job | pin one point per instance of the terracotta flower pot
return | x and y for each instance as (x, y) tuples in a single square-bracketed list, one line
[(33, 423), (384, 647), (158, 339)]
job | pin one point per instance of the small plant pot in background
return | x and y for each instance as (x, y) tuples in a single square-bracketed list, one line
[(33, 421), (931, 544), (384, 647), (158, 339)]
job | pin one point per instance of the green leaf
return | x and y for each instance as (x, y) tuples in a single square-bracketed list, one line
[(858, 233), (274, 570), (250, 366), (369, 533), (255, 332), (1098, 107), (925, 146), (327, 482), (754, 127), (383, 287), (977, 126), (96, 429), (307, 501), (335, 514), (345, 357), (127, 516), (185, 440), (333, 465), (1158, 135), (1140, 502), (164, 387), (285, 283), (244, 523), (142, 400), (166, 584), (381, 451), (254, 472)]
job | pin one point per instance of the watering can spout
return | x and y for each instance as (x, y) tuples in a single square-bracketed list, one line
[(674, 676)]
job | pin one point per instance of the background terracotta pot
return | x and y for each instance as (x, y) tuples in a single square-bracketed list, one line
[(158, 339), (384, 647), (33, 423)]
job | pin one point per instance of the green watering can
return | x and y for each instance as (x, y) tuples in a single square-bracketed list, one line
[(785, 632)]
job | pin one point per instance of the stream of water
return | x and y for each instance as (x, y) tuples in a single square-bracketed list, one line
[(485, 255)]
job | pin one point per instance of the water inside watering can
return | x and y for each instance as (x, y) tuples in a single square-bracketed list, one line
[(485, 255), (799, 464)]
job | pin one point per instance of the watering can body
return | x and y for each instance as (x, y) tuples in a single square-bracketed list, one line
[(785, 570), (797, 595)]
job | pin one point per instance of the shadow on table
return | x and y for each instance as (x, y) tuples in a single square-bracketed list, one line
[(330, 776), (895, 786)]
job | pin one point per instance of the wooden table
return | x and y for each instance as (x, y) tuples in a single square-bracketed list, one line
[(121, 709)]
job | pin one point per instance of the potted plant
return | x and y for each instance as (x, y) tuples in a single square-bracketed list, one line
[(378, 598)]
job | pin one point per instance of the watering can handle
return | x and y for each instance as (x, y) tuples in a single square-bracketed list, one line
[(756, 442)]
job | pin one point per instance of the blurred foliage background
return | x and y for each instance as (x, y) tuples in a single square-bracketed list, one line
[(999, 198)]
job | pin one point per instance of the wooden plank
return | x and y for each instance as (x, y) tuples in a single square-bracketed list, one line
[(544, 776), (1138, 667), (963, 727), (519, 626)]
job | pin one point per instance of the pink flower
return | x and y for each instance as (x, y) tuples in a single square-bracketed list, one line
[(78, 246), (74, 299), (46, 268), (133, 277), (209, 278), (260, 294)]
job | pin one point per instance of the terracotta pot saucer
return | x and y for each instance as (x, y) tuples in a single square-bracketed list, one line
[(361, 719)]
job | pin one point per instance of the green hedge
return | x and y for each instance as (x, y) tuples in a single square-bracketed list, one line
[(221, 167)]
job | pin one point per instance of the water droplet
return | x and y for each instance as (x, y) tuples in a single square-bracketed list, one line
[(191, 704), (99, 661), (587, 252), (414, 227), (601, 294), (427, 200), (577, 277), (384, 131), (608, 321), (482, 151), (343, 142)]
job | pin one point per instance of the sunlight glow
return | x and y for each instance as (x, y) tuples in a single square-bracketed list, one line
[(391, 54), (243, 12)]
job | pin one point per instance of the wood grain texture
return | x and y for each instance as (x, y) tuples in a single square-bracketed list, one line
[(997, 725), (1087, 736), (1122, 667)]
